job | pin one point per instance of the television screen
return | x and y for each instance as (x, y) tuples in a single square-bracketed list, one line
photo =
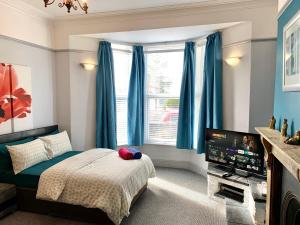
[(235, 149)]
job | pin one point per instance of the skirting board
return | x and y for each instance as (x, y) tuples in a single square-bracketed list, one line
[(180, 165)]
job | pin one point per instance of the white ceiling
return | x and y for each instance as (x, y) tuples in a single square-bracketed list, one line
[(162, 35), (96, 6)]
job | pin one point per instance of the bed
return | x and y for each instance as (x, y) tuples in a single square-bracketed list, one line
[(27, 183)]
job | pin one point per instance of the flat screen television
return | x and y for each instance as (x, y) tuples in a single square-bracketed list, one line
[(237, 150)]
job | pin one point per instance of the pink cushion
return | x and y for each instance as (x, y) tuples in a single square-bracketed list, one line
[(124, 153)]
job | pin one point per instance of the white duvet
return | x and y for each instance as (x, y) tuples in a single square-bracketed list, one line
[(97, 178)]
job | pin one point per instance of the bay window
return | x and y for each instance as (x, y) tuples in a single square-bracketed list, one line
[(164, 67)]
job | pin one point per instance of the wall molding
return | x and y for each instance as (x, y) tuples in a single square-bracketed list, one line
[(263, 39), (249, 41), (29, 44), (74, 51), (205, 5), (89, 51), (183, 9), (225, 46)]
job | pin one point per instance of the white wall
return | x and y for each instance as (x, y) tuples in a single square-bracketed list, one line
[(282, 4), (26, 39), (236, 88), (24, 23), (254, 11), (236, 80), (83, 101), (42, 64), (169, 156)]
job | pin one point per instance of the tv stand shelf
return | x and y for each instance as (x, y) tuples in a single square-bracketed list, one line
[(216, 171), (249, 186)]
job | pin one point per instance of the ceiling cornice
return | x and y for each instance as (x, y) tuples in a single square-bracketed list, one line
[(27, 9), (205, 5)]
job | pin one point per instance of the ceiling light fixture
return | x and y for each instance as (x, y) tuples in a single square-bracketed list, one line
[(70, 4)]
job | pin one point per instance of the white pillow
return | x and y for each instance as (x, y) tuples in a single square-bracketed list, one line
[(57, 144), (26, 155)]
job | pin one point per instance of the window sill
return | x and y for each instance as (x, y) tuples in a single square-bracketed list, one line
[(161, 144), (158, 144), (151, 143)]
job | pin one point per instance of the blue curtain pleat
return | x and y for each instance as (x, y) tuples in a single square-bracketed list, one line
[(211, 105), (106, 132), (136, 96), (185, 129)]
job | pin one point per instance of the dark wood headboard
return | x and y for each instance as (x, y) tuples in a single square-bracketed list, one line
[(5, 138)]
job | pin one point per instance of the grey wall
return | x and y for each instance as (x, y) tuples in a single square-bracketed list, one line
[(262, 82), (62, 93), (248, 88), (42, 64), (83, 101)]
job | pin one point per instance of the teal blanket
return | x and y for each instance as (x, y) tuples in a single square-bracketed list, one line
[(29, 177)]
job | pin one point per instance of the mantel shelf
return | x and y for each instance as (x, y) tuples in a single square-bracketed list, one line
[(288, 155)]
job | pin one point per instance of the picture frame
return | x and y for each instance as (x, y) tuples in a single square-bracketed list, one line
[(15, 98), (291, 55)]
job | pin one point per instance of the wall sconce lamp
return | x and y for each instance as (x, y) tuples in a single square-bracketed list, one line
[(88, 66), (233, 61)]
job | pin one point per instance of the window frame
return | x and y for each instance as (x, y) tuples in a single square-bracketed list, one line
[(165, 48), (147, 96)]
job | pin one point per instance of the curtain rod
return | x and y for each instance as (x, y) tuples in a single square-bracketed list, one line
[(200, 38)]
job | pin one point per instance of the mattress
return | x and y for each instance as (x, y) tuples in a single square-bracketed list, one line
[(29, 178), (97, 178)]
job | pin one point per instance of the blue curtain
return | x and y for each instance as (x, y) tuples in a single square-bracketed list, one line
[(185, 130), (136, 95), (106, 134), (211, 99)]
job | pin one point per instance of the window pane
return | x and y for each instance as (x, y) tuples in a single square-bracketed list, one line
[(162, 120), (121, 120), (122, 67), (164, 73)]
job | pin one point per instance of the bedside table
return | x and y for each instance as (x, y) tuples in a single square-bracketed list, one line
[(8, 203)]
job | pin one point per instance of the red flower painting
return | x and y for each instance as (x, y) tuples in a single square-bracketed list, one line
[(15, 102)]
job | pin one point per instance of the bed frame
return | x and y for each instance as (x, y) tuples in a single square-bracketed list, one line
[(26, 197)]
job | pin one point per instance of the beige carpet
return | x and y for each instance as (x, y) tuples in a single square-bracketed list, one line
[(174, 197)]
